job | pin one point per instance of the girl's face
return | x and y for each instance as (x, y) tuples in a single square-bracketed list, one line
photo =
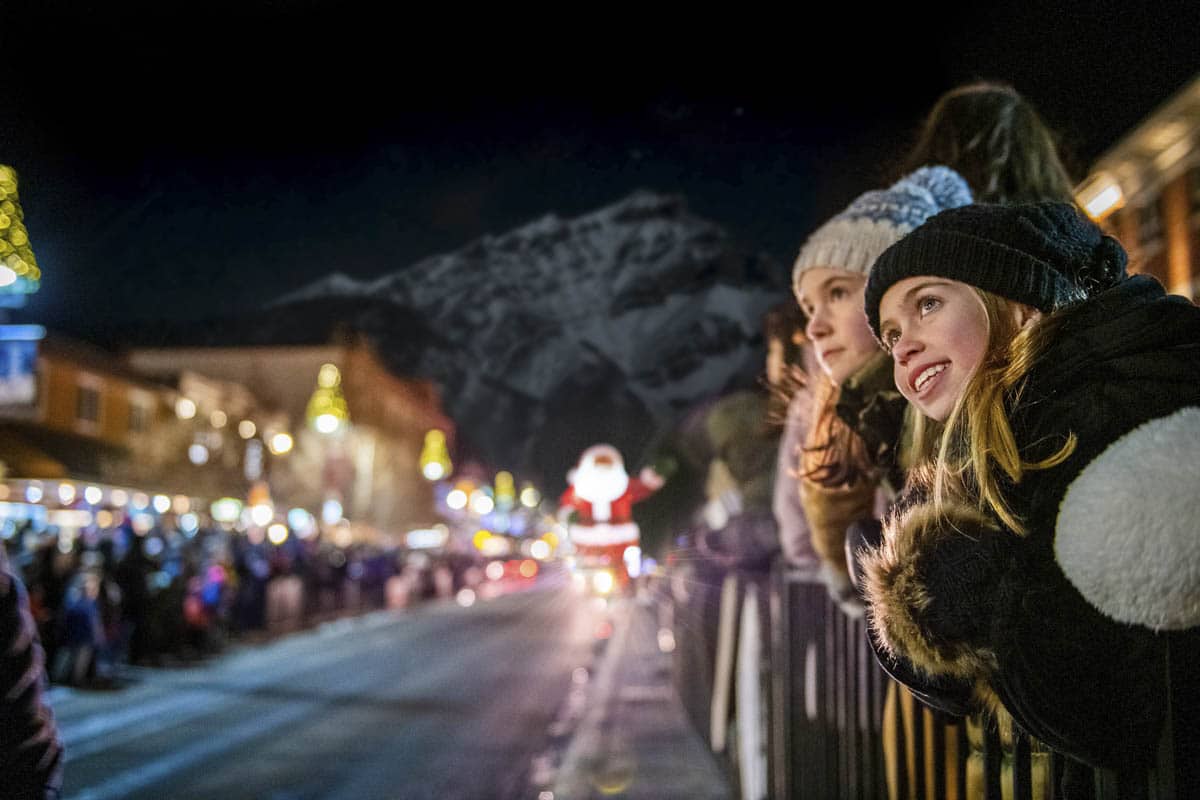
[(832, 299), (937, 332)]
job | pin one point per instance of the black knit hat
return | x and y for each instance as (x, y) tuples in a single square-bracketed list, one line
[(1045, 255)]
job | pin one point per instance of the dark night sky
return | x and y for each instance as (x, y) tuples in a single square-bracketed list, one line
[(176, 166)]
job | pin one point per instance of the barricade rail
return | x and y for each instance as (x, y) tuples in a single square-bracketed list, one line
[(837, 727)]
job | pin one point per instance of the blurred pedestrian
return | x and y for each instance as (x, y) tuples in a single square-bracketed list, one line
[(31, 751), (995, 139)]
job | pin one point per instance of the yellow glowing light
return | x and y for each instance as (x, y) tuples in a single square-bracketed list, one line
[(329, 376), (528, 568), (343, 536), (327, 410), (185, 408), (280, 444), (277, 533), (218, 418), (481, 538), (435, 459), (181, 504), (549, 538), (104, 519), (119, 497), (247, 429), (66, 493), (18, 267)]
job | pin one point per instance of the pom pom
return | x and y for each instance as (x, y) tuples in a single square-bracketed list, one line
[(1126, 531), (946, 188)]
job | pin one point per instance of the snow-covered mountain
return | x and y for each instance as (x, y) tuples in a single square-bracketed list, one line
[(564, 332)]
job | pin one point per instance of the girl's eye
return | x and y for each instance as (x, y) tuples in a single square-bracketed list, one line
[(927, 304), (889, 338), (837, 293)]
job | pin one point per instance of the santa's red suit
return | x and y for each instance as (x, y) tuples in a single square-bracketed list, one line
[(602, 496)]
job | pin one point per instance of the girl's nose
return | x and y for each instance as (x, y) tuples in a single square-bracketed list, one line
[(905, 348), (818, 324)]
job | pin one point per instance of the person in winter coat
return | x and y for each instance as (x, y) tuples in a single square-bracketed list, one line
[(994, 138), (741, 476), (1045, 553), (31, 751), (838, 482)]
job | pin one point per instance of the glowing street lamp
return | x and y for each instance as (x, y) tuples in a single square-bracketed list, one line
[(435, 460), (327, 411)]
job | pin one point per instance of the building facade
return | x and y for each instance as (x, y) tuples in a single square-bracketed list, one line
[(1146, 191), (368, 465)]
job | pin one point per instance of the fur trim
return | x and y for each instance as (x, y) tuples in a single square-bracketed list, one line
[(1126, 535), (898, 591)]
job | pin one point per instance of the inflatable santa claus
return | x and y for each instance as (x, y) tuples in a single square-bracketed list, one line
[(598, 506)]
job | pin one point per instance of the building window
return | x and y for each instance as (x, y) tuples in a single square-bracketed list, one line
[(87, 405)]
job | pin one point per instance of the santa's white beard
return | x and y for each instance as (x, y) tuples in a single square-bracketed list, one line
[(600, 486)]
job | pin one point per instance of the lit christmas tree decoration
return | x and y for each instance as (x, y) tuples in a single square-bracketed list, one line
[(19, 273)]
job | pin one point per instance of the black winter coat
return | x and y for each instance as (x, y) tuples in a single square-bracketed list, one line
[(1052, 623)]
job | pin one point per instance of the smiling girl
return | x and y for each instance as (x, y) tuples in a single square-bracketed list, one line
[(1047, 553)]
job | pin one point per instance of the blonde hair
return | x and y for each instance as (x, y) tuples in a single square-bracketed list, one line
[(967, 459)]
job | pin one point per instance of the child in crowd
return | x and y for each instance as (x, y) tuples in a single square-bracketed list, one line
[(839, 480), (1045, 552)]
